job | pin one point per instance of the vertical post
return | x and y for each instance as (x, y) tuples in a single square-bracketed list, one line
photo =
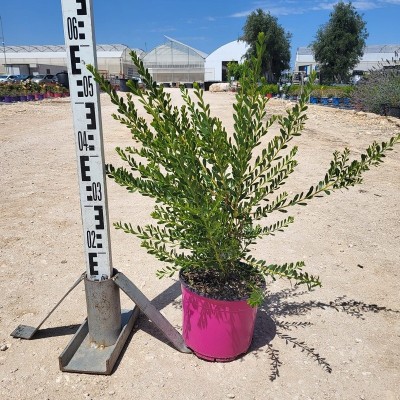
[(101, 298), (4, 46)]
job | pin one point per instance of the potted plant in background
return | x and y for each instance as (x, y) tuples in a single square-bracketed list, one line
[(7, 92), (47, 87), (212, 189), (271, 90), (347, 90), (295, 91), (314, 95), (336, 97), (57, 90), (23, 91), (2, 92), (323, 95), (35, 90), (14, 92)]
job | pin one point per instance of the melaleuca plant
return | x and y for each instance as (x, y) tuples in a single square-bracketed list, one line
[(210, 191)]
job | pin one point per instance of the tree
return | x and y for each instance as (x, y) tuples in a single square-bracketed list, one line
[(277, 56), (340, 43)]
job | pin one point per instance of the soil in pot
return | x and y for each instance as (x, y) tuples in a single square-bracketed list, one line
[(211, 282)]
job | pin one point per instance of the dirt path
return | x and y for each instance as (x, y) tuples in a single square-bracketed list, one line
[(350, 239)]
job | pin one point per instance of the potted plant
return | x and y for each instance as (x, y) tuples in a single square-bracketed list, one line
[(5, 92), (2, 92), (14, 92), (323, 95), (347, 90), (295, 91), (22, 91), (57, 90), (29, 89), (35, 88), (314, 95), (211, 193), (42, 91), (47, 88), (271, 90), (336, 95)]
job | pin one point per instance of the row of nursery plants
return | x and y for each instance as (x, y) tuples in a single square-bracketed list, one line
[(321, 91), (326, 95), (25, 91)]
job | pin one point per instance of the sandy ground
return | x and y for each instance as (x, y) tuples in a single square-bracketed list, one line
[(338, 342)]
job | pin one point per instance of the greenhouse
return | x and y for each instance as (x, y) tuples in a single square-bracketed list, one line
[(113, 60), (217, 61), (174, 62), (372, 58)]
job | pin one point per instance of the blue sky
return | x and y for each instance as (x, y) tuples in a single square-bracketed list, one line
[(204, 25)]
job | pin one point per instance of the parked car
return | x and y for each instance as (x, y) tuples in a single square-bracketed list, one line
[(21, 78), (7, 78), (43, 78)]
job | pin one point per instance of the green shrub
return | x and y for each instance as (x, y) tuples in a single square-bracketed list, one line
[(379, 89), (271, 88), (211, 191)]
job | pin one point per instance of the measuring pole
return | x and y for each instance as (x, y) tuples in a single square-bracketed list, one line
[(105, 327), (85, 100), (96, 345), (102, 295)]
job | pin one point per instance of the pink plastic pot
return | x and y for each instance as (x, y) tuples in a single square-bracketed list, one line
[(216, 330)]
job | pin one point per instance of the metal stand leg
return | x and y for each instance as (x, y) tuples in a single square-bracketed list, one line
[(151, 312), (27, 332)]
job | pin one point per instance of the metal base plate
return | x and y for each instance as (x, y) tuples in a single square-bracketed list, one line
[(80, 356), (24, 332)]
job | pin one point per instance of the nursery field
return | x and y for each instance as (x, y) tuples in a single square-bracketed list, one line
[(341, 341)]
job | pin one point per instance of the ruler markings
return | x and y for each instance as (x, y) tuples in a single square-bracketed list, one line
[(85, 101)]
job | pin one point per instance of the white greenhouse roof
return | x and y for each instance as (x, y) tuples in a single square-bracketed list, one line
[(371, 49), (171, 51), (200, 53), (58, 51), (232, 51)]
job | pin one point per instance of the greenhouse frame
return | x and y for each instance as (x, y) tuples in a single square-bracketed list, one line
[(113, 60), (374, 57), (175, 63)]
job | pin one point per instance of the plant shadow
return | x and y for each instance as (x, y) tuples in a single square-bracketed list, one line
[(270, 321), (284, 304)]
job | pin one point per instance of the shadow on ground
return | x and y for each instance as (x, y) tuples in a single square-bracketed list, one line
[(284, 304), (269, 324)]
